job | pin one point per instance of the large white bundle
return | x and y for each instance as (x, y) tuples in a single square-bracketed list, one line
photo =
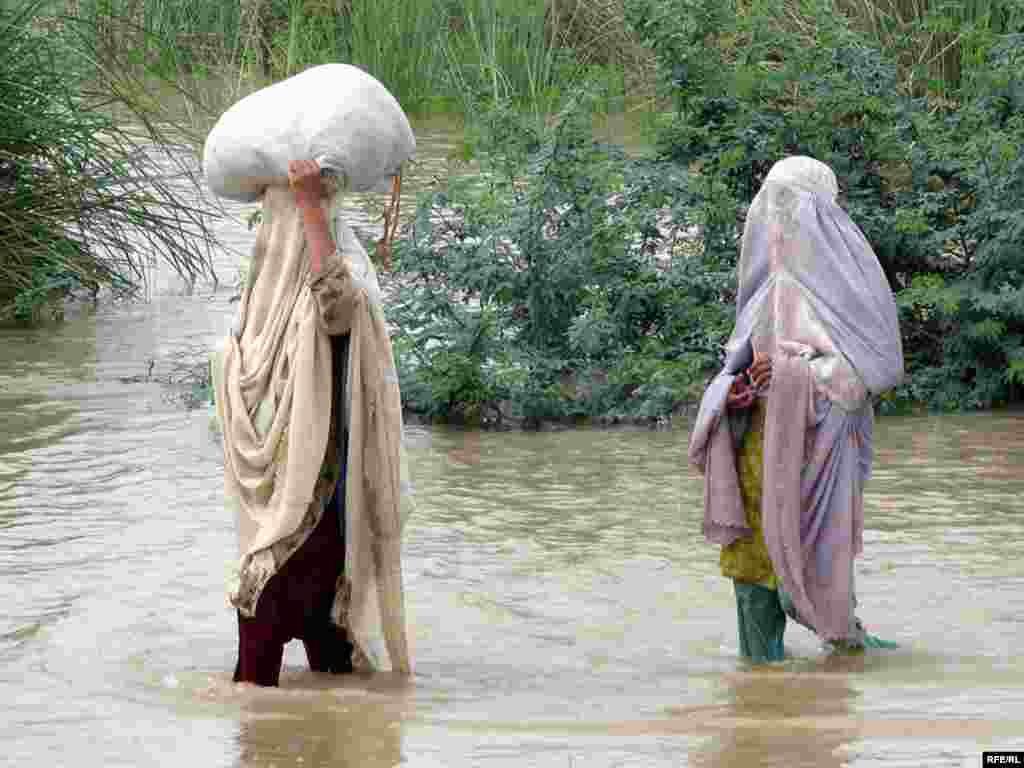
[(335, 114)]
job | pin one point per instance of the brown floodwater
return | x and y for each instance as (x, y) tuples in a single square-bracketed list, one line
[(563, 608)]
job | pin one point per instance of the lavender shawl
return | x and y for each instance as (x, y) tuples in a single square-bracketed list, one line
[(813, 295)]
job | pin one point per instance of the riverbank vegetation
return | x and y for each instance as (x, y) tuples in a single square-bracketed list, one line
[(555, 284), (431, 54), (92, 189), (555, 277)]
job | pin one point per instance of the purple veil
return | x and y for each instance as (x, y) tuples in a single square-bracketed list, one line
[(813, 295)]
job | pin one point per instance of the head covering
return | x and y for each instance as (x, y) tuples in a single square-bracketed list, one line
[(813, 296), (273, 392), (798, 240)]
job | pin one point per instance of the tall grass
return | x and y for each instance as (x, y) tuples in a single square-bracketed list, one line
[(181, 61), (93, 188), (936, 41), (166, 36), (435, 53), (401, 44), (429, 53), (598, 32), (512, 51)]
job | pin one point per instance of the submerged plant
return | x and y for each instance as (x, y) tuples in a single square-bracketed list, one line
[(92, 190)]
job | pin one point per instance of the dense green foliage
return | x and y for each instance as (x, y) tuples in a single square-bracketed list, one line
[(557, 283), (554, 284), (86, 200), (431, 54), (555, 277), (935, 186)]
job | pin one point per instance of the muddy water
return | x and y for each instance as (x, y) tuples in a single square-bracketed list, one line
[(563, 608)]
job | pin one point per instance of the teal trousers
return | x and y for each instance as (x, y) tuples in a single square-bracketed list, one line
[(761, 617), (761, 621)]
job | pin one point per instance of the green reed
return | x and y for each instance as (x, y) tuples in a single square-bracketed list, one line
[(94, 185), (937, 42), (429, 53), (401, 44), (511, 51)]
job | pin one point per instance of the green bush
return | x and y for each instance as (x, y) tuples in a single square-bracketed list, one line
[(555, 283), (936, 187)]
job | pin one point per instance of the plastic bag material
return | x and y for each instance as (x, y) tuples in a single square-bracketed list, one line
[(336, 114)]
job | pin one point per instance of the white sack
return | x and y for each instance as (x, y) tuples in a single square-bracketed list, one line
[(335, 114)]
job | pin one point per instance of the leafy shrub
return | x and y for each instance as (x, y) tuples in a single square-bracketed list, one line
[(545, 286), (936, 186)]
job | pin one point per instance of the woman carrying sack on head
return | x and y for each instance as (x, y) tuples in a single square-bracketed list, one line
[(307, 397), (784, 432)]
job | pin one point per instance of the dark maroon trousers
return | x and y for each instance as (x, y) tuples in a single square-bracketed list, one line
[(296, 605)]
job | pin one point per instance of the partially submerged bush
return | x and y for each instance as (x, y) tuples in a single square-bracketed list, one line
[(91, 190), (554, 284), (545, 287)]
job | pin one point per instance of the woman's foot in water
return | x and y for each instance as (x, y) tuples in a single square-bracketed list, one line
[(860, 642)]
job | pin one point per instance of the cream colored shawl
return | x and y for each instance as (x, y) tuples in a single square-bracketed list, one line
[(273, 389)]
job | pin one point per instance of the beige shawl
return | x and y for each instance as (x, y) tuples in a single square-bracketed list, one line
[(273, 392)]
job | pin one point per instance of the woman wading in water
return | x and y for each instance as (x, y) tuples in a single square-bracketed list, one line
[(307, 397), (784, 433)]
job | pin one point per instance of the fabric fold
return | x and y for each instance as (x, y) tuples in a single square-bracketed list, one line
[(812, 297), (273, 397)]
